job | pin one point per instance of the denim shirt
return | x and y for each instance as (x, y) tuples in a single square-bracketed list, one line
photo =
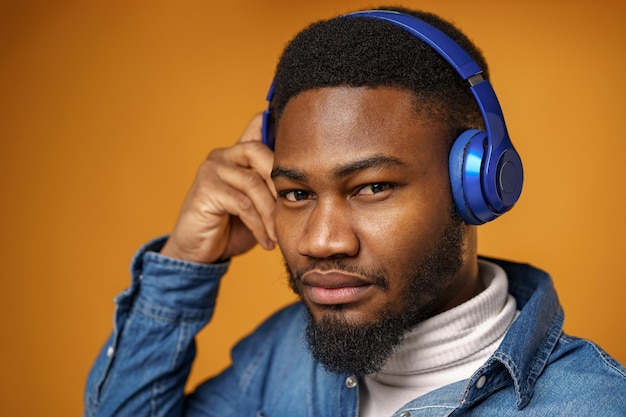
[(142, 369)]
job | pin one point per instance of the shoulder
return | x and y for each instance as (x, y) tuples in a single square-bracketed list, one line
[(578, 379), (584, 356), (582, 377)]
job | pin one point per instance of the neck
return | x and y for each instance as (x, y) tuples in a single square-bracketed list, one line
[(466, 283)]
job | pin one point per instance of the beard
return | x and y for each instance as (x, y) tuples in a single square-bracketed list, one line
[(363, 348)]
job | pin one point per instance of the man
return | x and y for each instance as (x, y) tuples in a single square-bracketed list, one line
[(398, 315)]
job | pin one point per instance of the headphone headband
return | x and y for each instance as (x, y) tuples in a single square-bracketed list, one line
[(435, 38)]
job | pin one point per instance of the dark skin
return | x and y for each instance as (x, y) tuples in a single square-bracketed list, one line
[(361, 178), (358, 177)]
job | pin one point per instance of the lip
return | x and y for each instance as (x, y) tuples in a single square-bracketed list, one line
[(334, 288)]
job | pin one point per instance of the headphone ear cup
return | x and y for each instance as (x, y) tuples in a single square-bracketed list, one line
[(465, 168)]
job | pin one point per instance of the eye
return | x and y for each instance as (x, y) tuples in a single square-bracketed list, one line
[(374, 188), (295, 195)]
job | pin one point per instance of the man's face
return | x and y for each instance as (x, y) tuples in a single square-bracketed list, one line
[(364, 215)]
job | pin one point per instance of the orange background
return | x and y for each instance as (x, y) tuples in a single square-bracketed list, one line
[(107, 108)]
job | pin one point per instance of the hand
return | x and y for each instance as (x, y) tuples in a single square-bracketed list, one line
[(230, 205)]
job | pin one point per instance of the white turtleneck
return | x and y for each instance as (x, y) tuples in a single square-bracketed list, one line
[(446, 348)]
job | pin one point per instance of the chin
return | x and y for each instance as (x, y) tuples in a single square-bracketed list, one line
[(350, 316), (349, 340)]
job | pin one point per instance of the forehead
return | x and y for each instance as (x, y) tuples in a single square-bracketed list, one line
[(333, 125)]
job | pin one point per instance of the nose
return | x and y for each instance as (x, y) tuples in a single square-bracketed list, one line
[(329, 231)]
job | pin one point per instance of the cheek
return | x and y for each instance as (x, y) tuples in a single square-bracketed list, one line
[(415, 217), (387, 237), (402, 237)]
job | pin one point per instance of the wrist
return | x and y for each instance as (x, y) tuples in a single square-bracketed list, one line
[(198, 254)]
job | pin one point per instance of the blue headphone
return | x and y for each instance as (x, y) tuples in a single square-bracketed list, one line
[(486, 171)]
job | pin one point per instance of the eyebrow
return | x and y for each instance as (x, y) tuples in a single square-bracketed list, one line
[(374, 162)]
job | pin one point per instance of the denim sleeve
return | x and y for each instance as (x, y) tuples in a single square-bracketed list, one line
[(143, 367)]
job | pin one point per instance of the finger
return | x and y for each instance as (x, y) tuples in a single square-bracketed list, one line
[(259, 158), (242, 239), (241, 205), (253, 132), (259, 201), (254, 155)]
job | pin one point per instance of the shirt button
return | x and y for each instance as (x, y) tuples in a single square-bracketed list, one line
[(110, 351), (481, 382), (351, 381), (405, 414)]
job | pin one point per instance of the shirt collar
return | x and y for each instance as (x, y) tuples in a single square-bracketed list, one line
[(524, 352)]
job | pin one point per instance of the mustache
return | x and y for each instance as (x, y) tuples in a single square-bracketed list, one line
[(376, 276)]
